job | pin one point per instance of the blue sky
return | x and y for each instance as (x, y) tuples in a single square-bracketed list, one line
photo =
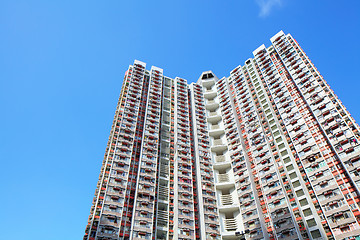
[(61, 67)]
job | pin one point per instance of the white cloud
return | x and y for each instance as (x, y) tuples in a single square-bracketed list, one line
[(267, 5)]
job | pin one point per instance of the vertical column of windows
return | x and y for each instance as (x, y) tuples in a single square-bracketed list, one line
[(203, 179), (228, 153), (183, 197), (173, 163), (163, 175), (130, 178), (245, 183), (280, 143), (142, 223), (288, 115), (277, 141), (254, 140)]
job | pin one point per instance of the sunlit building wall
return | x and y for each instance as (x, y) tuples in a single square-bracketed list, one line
[(269, 152)]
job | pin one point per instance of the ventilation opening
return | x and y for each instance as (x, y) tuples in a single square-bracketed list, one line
[(207, 76)]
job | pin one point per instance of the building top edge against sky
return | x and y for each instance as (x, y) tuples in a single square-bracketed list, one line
[(256, 51)]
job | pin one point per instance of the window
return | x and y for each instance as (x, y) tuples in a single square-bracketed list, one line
[(307, 212), (287, 160), (296, 184), (292, 175), (316, 233), (300, 193), (283, 153), (311, 222), (303, 202), (290, 167)]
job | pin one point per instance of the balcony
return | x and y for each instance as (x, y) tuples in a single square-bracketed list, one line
[(220, 159), (210, 94), (219, 149), (216, 130), (226, 199), (217, 142), (223, 178), (213, 118), (164, 171), (107, 234), (211, 105), (162, 215), (208, 82), (163, 193), (230, 224)]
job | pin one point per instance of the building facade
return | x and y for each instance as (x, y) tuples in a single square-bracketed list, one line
[(269, 152)]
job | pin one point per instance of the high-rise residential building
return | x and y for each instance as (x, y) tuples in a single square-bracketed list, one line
[(269, 152)]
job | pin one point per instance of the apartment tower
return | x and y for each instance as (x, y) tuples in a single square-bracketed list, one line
[(269, 152)]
